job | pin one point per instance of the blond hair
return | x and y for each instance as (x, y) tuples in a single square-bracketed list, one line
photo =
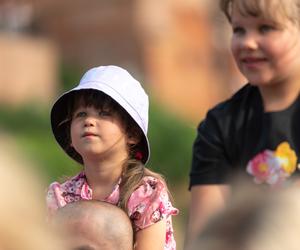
[(275, 10)]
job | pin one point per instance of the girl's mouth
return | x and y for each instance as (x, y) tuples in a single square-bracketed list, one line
[(88, 134)]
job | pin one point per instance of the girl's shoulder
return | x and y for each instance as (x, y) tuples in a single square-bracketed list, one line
[(72, 189), (68, 183), (153, 182), (150, 202), (149, 188), (152, 187)]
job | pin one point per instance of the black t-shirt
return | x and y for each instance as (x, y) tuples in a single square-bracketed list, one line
[(238, 129)]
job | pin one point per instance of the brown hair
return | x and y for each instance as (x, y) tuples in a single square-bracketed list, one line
[(133, 169), (275, 10)]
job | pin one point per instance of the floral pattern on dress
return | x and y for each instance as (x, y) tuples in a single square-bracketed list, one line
[(148, 204), (273, 167)]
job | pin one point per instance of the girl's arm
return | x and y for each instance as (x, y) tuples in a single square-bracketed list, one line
[(152, 237)]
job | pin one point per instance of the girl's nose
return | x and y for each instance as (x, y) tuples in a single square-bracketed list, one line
[(89, 121)]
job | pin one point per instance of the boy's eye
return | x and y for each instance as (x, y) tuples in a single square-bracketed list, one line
[(265, 28), (238, 30)]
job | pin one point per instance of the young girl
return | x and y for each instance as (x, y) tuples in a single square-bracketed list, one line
[(102, 124), (257, 130)]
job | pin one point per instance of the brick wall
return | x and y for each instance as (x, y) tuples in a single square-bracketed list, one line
[(28, 70)]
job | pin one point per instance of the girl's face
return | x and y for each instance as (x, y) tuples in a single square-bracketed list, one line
[(265, 52), (98, 134)]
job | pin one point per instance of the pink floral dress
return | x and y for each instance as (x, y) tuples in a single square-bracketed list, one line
[(147, 205)]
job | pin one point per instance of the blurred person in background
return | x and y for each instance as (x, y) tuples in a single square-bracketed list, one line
[(255, 219), (256, 131), (22, 214), (88, 225)]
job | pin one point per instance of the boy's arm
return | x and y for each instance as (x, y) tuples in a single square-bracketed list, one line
[(206, 201)]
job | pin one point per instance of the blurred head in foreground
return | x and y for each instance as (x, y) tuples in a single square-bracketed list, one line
[(93, 225), (256, 219), (22, 212)]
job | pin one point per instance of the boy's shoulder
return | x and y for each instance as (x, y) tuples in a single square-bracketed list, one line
[(244, 99)]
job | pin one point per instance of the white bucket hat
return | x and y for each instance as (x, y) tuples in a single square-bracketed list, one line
[(121, 87)]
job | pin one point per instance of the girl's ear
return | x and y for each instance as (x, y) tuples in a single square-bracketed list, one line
[(134, 137), (133, 140)]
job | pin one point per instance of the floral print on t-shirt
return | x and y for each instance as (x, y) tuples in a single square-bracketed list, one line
[(273, 167), (148, 204)]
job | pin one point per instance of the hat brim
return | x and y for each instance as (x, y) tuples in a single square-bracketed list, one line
[(59, 113)]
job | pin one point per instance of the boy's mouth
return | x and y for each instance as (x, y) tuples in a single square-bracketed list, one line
[(253, 62), (253, 59)]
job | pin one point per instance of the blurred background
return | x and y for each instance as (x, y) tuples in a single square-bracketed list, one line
[(178, 50)]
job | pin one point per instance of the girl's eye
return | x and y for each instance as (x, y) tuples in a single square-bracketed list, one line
[(238, 30), (104, 113), (265, 28), (80, 114)]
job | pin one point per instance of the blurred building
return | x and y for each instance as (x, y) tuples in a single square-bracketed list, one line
[(186, 56), (178, 48), (28, 64), (93, 32)]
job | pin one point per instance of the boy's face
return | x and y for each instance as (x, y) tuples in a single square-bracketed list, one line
[(265, 52)]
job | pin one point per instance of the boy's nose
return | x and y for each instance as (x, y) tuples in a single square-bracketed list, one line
[(249, 42)]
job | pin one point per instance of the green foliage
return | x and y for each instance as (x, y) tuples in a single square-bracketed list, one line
[(69, 77), (31, 128), (171, 144)]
